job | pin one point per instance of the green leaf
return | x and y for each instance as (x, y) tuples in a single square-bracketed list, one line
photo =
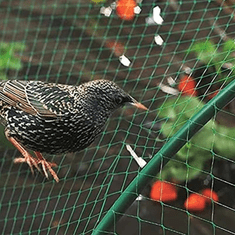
[(3, 76), (166, 110), (176, 113), (4, 46), (204, 139), (183, 105), (181, 171), (169, 128), (14, 63), (2, 63), (224, 141), (8, 59), (17, 46), (229, 46), (189, 105), (185, 152), (205, 51), (193, 152)]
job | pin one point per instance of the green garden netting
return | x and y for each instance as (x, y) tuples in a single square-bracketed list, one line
[(175, 57)]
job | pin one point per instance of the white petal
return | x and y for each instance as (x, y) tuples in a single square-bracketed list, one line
[(139, 198), (168, 90), (124, 60), (156, 15), (137, 10), (158, 39), (106, 11), (140, 161), (187, 70), (171, 81)]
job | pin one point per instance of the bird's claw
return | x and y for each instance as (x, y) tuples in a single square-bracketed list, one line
[(31, 161), (48, 166)]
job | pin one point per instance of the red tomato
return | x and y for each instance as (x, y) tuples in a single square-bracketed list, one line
[(187, 86), (210, 195), (162, 191), (195, 202), (125, 9)]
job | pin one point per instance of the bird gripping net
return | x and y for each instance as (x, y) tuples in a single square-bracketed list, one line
[(175, 57)]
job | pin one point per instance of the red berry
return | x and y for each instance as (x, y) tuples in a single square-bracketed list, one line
[(212, 95), (210, 195), (162, 191), (195, 202), (187, 86), (116, 47), (125, 9)]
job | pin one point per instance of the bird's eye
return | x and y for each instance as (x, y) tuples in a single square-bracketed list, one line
[(118, 100)]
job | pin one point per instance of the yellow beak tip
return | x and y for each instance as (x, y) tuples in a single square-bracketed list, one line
[(140, 106)]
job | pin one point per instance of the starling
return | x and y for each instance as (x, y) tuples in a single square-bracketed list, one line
[(55, 118)]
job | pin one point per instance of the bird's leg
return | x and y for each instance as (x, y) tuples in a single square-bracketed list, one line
[(31, 161), (47, 166), (26, 155)]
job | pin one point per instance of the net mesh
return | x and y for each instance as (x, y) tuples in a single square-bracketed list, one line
[(150, 56)]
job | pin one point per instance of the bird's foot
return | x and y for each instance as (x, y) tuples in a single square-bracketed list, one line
[(31, 161), (47, 166)]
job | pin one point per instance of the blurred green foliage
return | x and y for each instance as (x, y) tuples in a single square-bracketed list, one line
[(9, 60), (220, 57), (193, 158), (8, 57)]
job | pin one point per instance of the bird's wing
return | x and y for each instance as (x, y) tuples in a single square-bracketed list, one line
[(33, 97)]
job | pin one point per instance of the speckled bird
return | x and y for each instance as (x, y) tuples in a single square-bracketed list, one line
[(55, 118)]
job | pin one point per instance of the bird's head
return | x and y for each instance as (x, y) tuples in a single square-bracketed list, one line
[(109, 95)]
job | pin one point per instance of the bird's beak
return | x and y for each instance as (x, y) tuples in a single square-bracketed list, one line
[(137, 104)]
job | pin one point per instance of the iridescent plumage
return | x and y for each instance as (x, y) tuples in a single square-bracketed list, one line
[(55, 118)]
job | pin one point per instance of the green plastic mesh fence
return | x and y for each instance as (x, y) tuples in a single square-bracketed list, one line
[(167, 170)]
